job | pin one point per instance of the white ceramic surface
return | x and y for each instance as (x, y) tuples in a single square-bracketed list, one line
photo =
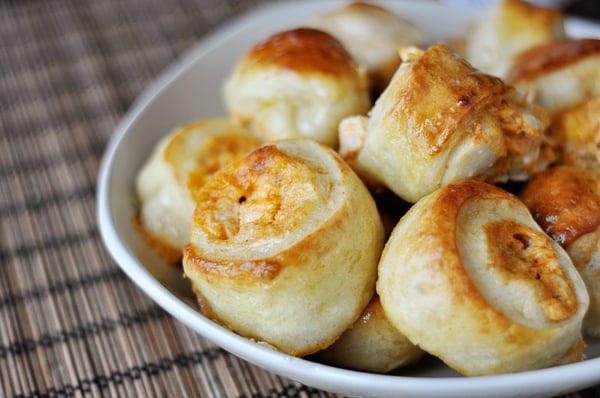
[(191, 89)]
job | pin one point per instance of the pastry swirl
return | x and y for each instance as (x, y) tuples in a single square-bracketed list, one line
[(180, 164), (506, 29), (372, 35), (296, 83), (565, 201), (558, 75), (469, 277), (372, 344), (278, 252), (575, 132), (441, 121)]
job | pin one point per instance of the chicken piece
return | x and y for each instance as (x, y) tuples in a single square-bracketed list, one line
[(372, 344), (297, 83), (274, 252), (441, 121), (507, 28), (181, 163), (565, 201), (558, 75), (372, 35), (576, 134), (468, 276)]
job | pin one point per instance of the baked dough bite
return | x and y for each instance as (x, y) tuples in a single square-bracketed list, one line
[(372, 35), (179, 165), (576, 134), (558, 75), (471, 278), (565, 201), (505, 29), (372, 344), (438, 121), (296, 83), (279, 252)]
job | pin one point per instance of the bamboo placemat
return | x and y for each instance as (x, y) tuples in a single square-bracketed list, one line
[(71, 323)]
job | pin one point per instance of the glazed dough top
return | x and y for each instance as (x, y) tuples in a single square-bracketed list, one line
[(550, 57), (446, 90), (303, 50), (565, 201)]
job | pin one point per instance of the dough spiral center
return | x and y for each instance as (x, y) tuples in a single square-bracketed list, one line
[(513, 264), (271, 194), (518, 252)]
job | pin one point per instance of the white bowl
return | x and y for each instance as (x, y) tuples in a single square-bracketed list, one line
[(191, 89)]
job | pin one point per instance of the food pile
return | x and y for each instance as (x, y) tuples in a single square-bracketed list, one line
[(371, 200)]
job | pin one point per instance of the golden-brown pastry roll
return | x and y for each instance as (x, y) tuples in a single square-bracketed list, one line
[(372, 35), (372, 344), (296, 83), (576, 134), (438, 121), (565, 201), (471, 278), (506, 28), (558, 75), (180, 164), (279, 252)]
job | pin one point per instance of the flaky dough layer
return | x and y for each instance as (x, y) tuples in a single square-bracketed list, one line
[(180, 164), (372, 344), (441, 121), (507, 28), (296, 83), (558, 75), (468, 276), (565, 201), (284, 246), (372, 35)]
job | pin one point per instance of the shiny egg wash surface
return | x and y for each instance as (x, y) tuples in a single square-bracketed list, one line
[(519, 252), (272, 193)]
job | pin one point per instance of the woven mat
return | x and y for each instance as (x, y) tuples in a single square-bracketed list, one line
[(72, 323)]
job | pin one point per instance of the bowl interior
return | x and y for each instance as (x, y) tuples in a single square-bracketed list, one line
[(191, 89)]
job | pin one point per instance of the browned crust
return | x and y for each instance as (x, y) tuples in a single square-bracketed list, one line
[(519, 253), (565, 201), (445, 260), (445, 211), (264, 269), (551, 56), (302, 50), (169, 254), (525, 11), (361, 7), (441, 79), (264, 185), (516, 251)]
